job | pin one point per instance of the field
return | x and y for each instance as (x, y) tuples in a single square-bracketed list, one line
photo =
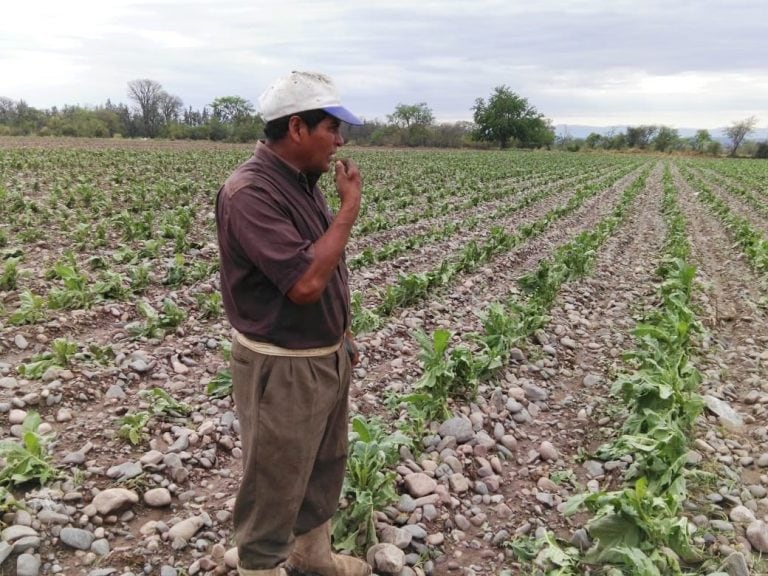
[(563, 372)]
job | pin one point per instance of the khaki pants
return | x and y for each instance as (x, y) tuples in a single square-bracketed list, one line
[(293, 429)]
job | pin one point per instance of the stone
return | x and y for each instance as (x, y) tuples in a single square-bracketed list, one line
[(458, 483), (742, 514), (397, 536), (419, 484), (727, 415), (113, 500), (100, 547), (459, 428), (16, 531), (591, 380), (115, 392), (386, 558), (26, 544), (125, 471), (27, 565), (157, 497), (8, 382), (757, 534), (77, 538), (231, 558), (535, 393), (186, 528), (17, 416), (5, 551), (547, 451), (736, 565)]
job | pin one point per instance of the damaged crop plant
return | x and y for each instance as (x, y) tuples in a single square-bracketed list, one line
[(539, 332)]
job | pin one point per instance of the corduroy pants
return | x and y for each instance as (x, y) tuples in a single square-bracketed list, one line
[(293, 429)]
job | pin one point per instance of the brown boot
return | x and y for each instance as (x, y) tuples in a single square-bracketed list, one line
[(312, 553), (276, 571)]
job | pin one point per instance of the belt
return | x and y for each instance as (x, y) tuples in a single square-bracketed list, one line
[(271, 350)]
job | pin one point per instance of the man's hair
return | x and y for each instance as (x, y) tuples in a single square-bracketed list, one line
[(276, 129)]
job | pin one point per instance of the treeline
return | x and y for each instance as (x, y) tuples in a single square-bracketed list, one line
[(506, 119), (651, 137)]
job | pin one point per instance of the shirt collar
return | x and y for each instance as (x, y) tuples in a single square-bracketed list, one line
[(303, 178)]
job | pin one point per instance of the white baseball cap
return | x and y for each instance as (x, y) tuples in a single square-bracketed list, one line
[(301, 91)]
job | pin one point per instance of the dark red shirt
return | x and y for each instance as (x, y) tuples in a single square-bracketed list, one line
[(268, 215)]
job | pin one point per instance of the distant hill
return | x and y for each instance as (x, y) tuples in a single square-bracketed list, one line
[(582, 131)]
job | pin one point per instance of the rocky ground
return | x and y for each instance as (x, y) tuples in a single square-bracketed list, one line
[(501, 468)]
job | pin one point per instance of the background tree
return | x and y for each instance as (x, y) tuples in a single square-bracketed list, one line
[(230, 109), (701, 141), (169, 107), (509, 117), (147, 94), (406, 115), (411, 124), (594, 140), (640, 136), (666, 140), (737, 131)]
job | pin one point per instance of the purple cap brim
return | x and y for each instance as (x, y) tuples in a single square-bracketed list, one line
[(343, 114)]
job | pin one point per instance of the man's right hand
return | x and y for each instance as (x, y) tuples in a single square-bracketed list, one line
[(349, 184)]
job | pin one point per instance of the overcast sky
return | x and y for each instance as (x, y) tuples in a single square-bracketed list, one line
[(697, 63)]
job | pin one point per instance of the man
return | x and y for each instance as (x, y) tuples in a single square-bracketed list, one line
[(285, 292)]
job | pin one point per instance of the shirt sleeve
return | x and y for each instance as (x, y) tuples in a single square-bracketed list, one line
[(268, 237)]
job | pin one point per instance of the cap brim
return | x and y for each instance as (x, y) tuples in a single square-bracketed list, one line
[(344, 115)]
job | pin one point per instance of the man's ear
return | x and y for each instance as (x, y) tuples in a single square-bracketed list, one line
[(295, 127)]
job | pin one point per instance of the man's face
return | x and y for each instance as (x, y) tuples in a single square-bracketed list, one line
[(321, 144)]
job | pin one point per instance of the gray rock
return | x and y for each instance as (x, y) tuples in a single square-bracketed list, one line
[(100, 547), (459, 428), (77, 538), (396, 536), (728, 416), (27, 565), (231, 558), (581, 540), (547, 451), (742, 514), (406, 504), (458, 483), (51, 517), (114, 499), (535, 393), (386, 558), (115, 392), (26, 544), (157, 497), (757, 534), (594, 468), (591, 380), (416, 531), (21, 342), (721, 525), (16, 531), (180, 445), (419, 484), (736, 565), (5, 551), (125, 471), (517, 355), (8, 382), (17, 416), (187, 528)]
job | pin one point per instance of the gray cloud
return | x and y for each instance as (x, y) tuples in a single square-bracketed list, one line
[(627, 62)]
